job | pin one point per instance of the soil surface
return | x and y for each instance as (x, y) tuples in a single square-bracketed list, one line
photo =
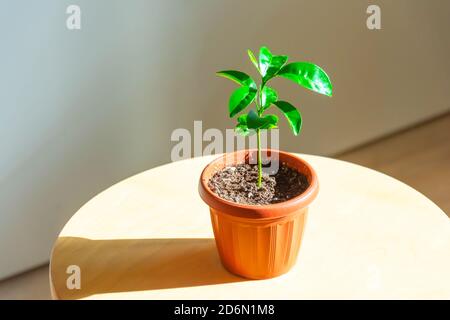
[(239, 184)]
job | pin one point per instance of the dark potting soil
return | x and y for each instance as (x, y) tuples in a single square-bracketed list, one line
[(239, 184)]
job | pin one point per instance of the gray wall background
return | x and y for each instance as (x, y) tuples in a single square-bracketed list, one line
[(81, 110)]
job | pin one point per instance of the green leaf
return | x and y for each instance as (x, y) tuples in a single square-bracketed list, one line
[(265, 56), (239, 77), (268, 96), (253, 59), (292, 114), (242, 130), (269, 65), (242, 119), (240, 99), (241, 127), (309, 76), (256, 122), (274, 67)]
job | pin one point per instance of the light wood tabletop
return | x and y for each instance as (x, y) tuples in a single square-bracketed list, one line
[(368, 236)]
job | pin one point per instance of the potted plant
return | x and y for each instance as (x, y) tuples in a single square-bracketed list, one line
[(258, 218)]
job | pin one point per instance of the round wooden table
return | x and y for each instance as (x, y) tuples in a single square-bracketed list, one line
[(368, 236)]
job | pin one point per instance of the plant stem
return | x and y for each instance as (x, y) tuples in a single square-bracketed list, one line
[(259, 109), (259, 158)]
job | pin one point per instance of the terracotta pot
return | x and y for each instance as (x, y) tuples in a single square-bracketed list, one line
[(258, 241)]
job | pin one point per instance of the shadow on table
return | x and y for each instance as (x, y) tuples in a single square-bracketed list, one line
[(109, 266)]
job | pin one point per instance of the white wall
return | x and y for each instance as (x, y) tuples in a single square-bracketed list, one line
[(81, 110)]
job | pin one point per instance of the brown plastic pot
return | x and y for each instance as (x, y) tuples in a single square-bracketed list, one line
[(258, 241)]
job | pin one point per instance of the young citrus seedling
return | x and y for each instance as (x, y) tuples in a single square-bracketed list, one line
[(270, 66)]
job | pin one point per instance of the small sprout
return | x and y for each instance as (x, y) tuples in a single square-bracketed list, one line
[(269, 66)]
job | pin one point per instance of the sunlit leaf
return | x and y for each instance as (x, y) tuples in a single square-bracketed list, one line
[(269, 65), (275, 65), (292, 115), (238, 77), (309, 76), (240, 99), (268, 96), (253, 59), (265, 56)]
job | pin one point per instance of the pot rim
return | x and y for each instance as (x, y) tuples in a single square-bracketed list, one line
[(269, 211)]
